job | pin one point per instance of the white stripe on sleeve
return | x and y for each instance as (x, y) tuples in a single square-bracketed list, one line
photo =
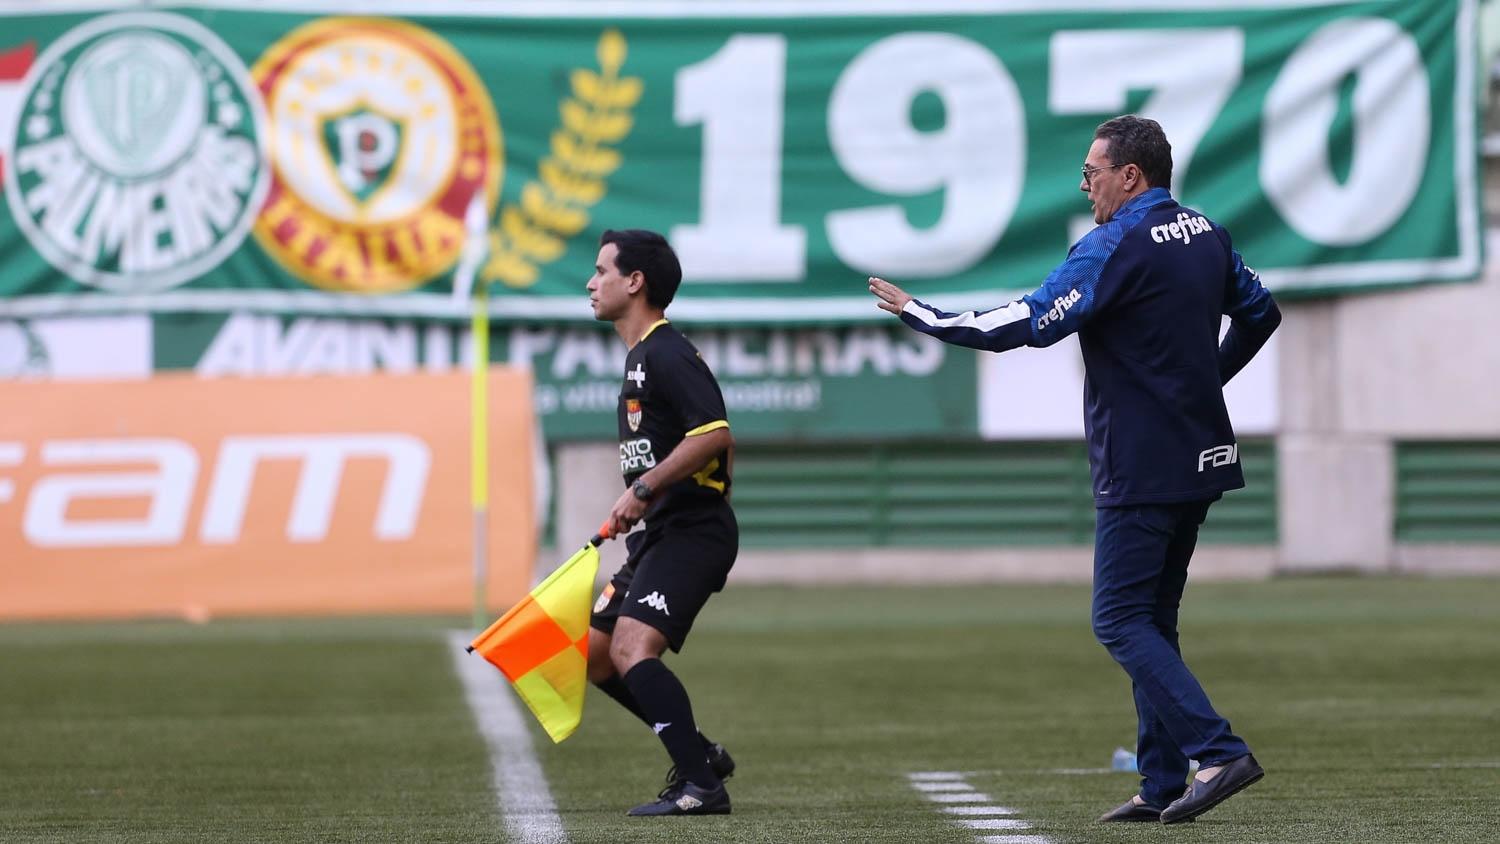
[(986, 322)]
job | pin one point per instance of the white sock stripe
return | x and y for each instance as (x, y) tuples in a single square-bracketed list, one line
[(520, 784)]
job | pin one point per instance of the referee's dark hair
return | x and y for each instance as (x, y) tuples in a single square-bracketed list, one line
[(650, 253), (1139, 141)]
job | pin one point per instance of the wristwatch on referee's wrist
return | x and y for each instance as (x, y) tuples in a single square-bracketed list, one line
[(642, 490)]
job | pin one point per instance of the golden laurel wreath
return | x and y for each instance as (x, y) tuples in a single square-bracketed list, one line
[(555, 206)]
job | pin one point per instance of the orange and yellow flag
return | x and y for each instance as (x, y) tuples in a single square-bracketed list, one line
[(542, 643)]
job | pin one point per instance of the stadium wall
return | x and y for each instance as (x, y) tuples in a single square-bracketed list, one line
[(1359, 376)]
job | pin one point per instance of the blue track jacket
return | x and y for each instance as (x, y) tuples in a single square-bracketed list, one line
[(1145, 293)]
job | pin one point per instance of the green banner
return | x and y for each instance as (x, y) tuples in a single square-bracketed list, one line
[(231, 155), (803, 383)]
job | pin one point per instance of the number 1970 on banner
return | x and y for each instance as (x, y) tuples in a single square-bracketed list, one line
[(978, 158)]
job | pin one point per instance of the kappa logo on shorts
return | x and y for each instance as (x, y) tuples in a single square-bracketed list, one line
[(655, 601)]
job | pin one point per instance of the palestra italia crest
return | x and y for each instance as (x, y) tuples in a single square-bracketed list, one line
[(381, 135), (136, 159)]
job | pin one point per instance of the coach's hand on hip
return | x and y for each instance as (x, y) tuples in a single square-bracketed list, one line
[(892, 298)]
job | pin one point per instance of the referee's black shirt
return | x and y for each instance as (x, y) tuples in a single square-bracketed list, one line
[(670, 394)]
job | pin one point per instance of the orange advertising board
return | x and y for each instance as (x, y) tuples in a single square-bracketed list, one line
[(195, 497)]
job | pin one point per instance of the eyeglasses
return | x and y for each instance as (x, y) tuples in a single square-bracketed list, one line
[(1088, 172)]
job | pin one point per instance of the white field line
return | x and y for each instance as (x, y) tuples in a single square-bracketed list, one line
[(927, 776), (994, 823), (959, 797), (933, 787), (953, 787), (978, 811), (520, 785)]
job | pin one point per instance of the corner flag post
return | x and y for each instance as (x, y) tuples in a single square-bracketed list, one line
[(476, 244), (479, 448)]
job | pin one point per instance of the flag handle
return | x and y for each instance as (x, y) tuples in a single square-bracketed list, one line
[(605, 532)]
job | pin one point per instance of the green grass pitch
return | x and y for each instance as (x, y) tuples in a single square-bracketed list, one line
[(1374, 705)]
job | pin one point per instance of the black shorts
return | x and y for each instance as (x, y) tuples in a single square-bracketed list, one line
[(671, 570)]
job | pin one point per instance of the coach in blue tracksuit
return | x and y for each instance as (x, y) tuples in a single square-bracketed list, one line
[(1145, 292)]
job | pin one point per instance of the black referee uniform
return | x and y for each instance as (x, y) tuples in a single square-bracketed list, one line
[(690, 539)]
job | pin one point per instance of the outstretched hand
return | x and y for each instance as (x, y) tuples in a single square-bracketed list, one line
[(891, 298)]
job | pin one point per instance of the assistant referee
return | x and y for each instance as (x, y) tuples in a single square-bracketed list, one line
[(675, 455)]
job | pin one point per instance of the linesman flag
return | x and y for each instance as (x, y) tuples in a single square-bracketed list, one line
[(542, 643)]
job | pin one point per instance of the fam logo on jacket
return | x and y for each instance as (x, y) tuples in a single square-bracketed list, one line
[(135, 162)]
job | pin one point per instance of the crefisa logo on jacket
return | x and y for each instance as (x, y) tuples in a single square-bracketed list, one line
[(381, 135), (135, 164), (1060, 306)]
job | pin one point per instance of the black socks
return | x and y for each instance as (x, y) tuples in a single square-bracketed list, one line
[(616, 688), (663, 703)]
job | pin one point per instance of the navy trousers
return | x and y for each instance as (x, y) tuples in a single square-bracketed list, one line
[(1141, 559)]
